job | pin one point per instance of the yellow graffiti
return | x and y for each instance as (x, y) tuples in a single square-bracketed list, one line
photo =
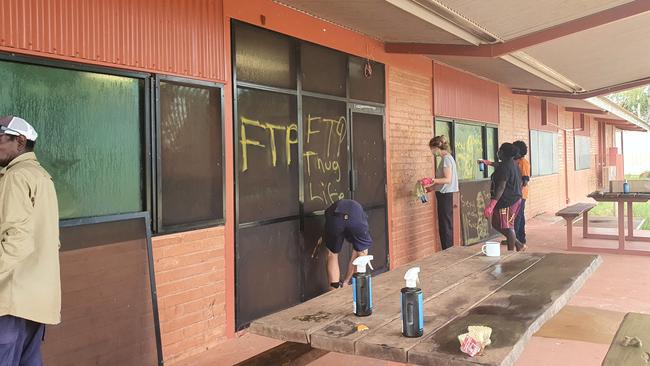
[(245, 142), (323, 138), (270, 128)]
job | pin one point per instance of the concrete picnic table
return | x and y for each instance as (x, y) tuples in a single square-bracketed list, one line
[(513, 294)]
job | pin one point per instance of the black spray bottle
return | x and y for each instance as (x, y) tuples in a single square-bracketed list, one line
[(362, 287), (412, 312)]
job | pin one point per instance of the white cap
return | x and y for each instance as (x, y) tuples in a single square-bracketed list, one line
[(411, 277), (361, 262), (16, 126)]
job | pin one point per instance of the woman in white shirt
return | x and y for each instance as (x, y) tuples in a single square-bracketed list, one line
[(445, 183)]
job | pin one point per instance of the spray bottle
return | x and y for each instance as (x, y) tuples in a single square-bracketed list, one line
[(362, 287), (412, 312)]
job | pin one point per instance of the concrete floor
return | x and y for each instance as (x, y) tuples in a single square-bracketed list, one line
[(579, 335)]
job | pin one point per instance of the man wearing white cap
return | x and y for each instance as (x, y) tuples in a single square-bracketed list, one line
[(30, 285)]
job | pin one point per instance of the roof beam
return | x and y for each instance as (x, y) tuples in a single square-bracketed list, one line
[(585, 110), (583, 94), (499, 49)]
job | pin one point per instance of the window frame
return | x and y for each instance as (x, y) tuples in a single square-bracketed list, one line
[(531, 152), (150, 148), (452, 139), (158, 226), (575, 152), (146, 119)]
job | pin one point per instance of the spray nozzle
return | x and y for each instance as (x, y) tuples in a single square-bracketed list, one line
[(411, 277), (361, 262)]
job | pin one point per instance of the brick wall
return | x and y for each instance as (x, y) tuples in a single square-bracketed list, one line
[(546, 193), (410, 126), (190, 270)]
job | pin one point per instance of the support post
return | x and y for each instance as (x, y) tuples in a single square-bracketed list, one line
[(569, 232), (621, 225)]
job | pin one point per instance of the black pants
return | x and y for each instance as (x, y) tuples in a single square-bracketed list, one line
[(520, 223), (445, 202)]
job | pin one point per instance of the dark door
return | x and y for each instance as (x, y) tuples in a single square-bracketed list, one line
[(369, 175)]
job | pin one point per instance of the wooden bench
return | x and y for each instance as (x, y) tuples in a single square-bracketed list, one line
[(633, 325), (571, 214)]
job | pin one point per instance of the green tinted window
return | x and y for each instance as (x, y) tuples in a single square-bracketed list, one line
[(444, 128), (90, 138), (492, 144), (468, 140)]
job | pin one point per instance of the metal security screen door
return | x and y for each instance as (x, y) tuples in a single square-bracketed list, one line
[(296, 153), (369, 175)]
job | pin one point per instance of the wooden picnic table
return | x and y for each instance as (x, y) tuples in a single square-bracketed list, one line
[(513, 294), (621, 199)]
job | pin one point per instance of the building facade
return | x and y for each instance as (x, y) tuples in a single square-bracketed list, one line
[(232, 125)]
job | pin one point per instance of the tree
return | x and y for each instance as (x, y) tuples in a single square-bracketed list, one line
[(634, 100)]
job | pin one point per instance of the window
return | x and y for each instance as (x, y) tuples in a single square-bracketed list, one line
[(366, 80), (582, 152), (492, 143), (323, 70), (264, 57), (543, 153), (191, 172), (90, 128), (468, 143), (297, 107)]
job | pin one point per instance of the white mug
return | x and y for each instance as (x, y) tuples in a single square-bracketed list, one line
[(491, 249)]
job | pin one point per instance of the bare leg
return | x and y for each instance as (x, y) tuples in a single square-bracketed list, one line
[(351, 268), (512, 240), (333, 271)]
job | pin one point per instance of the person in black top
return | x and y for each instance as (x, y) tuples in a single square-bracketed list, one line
[(505, 192)]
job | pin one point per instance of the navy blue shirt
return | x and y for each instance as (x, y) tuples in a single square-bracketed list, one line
[(346, 220)]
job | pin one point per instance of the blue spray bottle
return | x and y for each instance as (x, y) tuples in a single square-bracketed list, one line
[(362, 287), (412, 312)]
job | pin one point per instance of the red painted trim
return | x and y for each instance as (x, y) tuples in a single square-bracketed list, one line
[(460, 95), (528, 40), (585, 110)]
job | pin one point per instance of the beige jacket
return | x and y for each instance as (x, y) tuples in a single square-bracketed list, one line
[(30, 284)]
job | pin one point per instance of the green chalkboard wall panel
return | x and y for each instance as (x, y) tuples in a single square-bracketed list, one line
[(474, 195)]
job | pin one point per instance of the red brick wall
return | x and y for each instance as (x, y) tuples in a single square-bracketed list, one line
[(545, 193), (190, 270), (410, 126)]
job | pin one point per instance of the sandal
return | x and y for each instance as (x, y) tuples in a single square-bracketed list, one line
[(522, 247)]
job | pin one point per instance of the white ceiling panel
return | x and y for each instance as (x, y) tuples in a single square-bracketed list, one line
[(602, 56), (509, 19), (375, 18)]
